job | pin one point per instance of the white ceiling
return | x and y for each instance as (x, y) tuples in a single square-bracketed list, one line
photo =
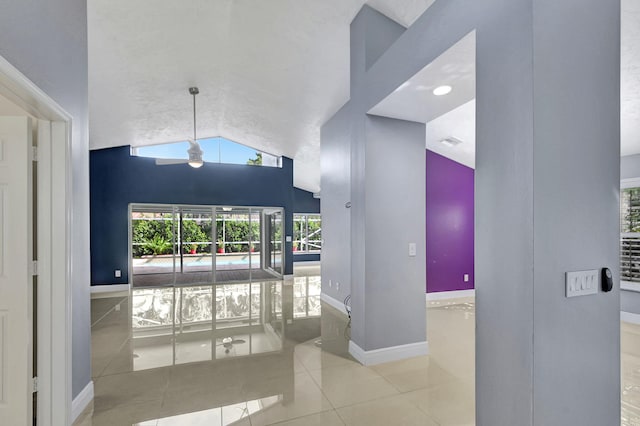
[(459, 120), (459, 123), (270, 73), (451, 115), (414, 100)]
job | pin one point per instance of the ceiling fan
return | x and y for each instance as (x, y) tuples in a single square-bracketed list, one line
[(194, 151), (228, 343)]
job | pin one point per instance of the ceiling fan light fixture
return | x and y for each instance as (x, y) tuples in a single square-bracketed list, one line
[(196, 164), (195, 155), (195, 151)]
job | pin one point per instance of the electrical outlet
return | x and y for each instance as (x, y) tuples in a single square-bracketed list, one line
[(337, 285), (118, 273), (412, 249), (117, 307), (330, 284), (466, 278)]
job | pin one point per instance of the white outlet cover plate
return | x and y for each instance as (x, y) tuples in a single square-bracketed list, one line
[(582, 283)]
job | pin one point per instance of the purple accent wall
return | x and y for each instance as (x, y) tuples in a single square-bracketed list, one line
[(449, 224)]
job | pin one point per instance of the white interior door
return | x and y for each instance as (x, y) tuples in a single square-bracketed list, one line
[(16, 255)]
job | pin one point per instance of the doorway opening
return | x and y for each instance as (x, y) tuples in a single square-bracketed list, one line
[(185, 245), (34, 149), (442, 96)]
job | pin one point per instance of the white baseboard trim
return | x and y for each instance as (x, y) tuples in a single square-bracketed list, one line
[(441, 295), (82, 401), (393, 353), (334, 303), (111, 288), (630, 317)]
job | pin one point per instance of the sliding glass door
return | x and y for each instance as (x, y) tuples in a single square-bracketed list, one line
[(153, 243), (273, 231), (180, 245), (195, 229)]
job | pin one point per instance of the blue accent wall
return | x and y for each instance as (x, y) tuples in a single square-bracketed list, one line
[(118, 179), (303, 202)]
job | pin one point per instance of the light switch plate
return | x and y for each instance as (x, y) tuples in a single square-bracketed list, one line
[(288, 238), (118, 273), (412, 249), (582, 283)]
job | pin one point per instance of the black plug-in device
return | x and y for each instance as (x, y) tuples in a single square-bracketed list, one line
[(607, 280)]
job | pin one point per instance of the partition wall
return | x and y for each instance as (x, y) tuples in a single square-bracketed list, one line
[(180, 244)]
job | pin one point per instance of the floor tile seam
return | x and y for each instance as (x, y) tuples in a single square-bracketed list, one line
[(342, 365), (393, 385), (303, 364), (279, 422), (127, 404), (324, 395), (340, 417), (109, 311), (357, 381), (452, 376), (124, 373), (377, 398), (309, 369), (431, 416), (165, 390), (113, 358)]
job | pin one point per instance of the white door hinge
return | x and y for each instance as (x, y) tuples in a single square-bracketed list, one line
[(34, 153), (34, 267), (34, 384)]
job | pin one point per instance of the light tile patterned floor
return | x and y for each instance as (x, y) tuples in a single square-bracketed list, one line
[(301, 381)]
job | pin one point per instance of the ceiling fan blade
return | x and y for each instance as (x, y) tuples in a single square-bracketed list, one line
[(168, 161)]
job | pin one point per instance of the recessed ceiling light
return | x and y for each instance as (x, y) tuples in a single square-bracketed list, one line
[(442, 90)]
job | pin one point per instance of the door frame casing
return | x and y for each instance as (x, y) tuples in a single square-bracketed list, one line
[(54, 243)]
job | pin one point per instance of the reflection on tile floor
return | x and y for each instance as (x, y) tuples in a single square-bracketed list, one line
[(261, 354)]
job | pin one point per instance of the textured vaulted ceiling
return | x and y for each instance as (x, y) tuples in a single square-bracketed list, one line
[(270, 73)]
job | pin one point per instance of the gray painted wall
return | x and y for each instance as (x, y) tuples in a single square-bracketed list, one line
[(394, 216), (366, 160), (336, 192), (541, 359), (47, 42), (576, 118)]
